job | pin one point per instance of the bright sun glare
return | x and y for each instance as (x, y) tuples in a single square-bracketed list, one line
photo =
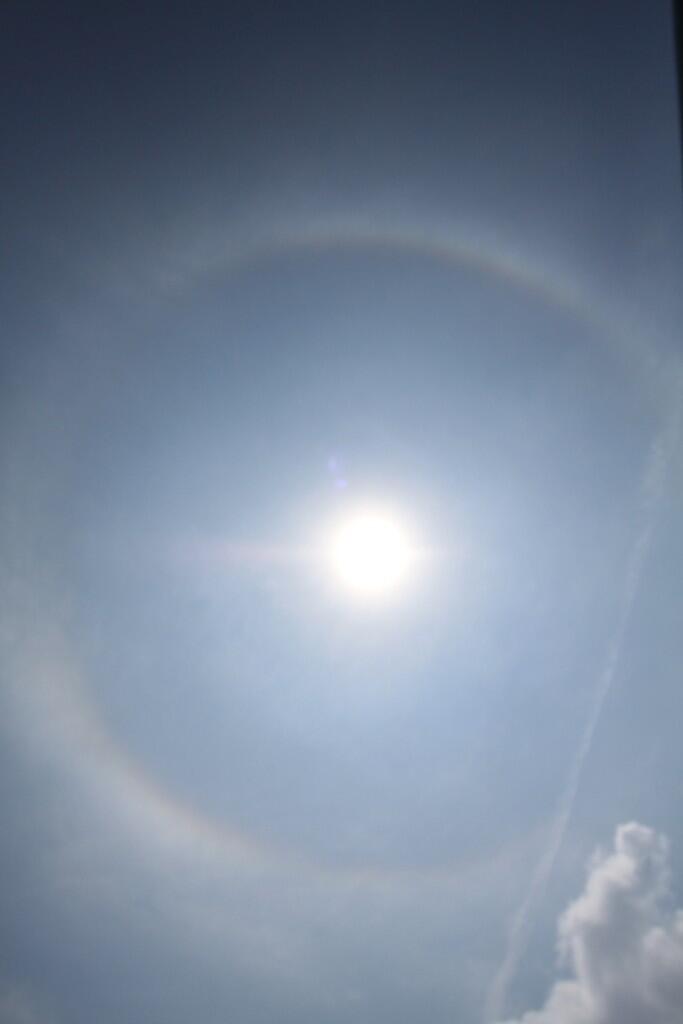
[(371, 554)]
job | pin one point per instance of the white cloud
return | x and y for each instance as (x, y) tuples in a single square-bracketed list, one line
[(623, 948), (652, 490)]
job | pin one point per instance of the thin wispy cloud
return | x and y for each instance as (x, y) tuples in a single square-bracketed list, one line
[(623, 947), (337, 345), (651, 493)]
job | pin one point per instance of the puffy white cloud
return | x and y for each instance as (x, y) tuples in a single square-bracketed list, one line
[(623, 947)]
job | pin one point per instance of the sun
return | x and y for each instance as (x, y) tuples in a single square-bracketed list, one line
[(371, 554)]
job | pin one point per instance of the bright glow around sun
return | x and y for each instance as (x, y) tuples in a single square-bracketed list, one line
[(371, 554)]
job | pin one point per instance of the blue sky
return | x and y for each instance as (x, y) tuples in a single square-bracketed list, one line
[(269, 264)]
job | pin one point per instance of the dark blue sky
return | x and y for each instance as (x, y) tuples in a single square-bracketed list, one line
[(265, 264)]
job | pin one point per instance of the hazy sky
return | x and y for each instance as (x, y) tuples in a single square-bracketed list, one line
[(266, 265)]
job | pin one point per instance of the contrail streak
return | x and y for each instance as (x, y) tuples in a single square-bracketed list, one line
[(651, 493)]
